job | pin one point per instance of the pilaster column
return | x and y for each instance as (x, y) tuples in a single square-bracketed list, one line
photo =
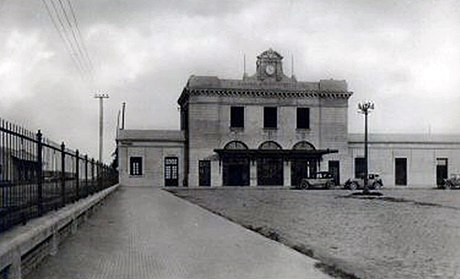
[(253, 173), (217, 170), (287, 173)]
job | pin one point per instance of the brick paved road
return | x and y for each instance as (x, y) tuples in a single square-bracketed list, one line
[(148, 233), (410, 234)]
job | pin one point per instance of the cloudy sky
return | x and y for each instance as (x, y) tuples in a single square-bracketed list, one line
[(403, 55)]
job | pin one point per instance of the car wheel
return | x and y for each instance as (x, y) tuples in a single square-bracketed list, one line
[(376, 186), (353, 186), (447, 186), (303, 185), (327, 185)]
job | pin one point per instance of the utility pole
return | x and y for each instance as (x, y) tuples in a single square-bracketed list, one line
[(101, 98), (123, 116)]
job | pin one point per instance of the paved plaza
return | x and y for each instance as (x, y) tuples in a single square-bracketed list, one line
[(150, 233), (406, 234)]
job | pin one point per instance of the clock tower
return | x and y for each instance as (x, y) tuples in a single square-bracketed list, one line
[(269, 66)]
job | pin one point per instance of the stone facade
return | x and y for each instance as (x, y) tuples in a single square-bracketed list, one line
[(206, 103)]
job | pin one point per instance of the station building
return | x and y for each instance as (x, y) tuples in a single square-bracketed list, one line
[(269, 129)]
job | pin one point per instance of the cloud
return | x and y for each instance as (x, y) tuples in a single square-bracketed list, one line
[(401, 54)]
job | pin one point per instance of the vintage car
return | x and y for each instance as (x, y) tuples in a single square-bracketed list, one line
[(452, 182), (374, 182), (321, 179)]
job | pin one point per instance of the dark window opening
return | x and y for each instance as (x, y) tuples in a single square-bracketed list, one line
[(270, 117), (303, 118), (237, 117), (135, 165)]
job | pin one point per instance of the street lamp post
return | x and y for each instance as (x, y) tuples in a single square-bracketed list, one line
[(365, 108)]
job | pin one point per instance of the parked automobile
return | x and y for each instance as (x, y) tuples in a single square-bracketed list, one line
[(321, 179), (374, 182), (452, 182)]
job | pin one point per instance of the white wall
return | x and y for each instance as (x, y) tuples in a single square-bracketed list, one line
[(153, 154), (421, 160)]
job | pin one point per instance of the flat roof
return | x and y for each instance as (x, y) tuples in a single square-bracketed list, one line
[(214, 82), (405, 138), (151, 135)]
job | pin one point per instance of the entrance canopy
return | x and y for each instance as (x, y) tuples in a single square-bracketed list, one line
[(286, 154)]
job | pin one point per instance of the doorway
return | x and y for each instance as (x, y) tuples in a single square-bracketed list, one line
[(441, 170), (236, 171), (171, 171), (334, 169), (360, 167), (270, 171), (204, 172), (401, 171)]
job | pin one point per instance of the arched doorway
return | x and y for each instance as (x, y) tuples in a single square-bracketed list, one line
[(302, 167), (270, 166), (235, 166)]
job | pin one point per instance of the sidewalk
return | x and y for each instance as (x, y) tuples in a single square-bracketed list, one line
[(149, 233)]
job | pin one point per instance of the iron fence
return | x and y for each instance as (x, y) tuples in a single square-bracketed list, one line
[(38, 175)]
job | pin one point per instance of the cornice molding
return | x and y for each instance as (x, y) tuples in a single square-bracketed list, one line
[(268, 93)]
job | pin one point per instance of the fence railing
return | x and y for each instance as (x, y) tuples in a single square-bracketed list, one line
[(38, 175)]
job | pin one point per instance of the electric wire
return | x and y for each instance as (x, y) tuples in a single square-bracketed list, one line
[(79, 34), (71, 36), (63, 37), (75, 39)]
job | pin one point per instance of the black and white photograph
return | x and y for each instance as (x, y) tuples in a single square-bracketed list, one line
[(206, 139)]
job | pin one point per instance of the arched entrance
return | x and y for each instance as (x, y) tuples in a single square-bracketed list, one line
[(302, 167), (235, 166), (270, 167)]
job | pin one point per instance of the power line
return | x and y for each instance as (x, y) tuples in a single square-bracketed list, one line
[(71, 35), (63, 37), (74, 36), (79, 34), (64, 31)]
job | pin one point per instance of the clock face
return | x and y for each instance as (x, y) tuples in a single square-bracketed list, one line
[(270, 69)]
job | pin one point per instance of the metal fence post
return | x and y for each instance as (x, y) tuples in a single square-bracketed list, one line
[(39, 173), (77, 174), (92, 176), (103, 178), (99, 176), (86, 175), (63, 174)]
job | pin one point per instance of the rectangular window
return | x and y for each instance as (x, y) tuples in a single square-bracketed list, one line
[(135, 165), (270, 117), (303, 118), (237, 117)]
